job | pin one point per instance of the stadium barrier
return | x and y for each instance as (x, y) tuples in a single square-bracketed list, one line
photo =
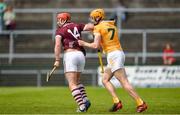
[(139, 76), (143, 54), (40, 76)]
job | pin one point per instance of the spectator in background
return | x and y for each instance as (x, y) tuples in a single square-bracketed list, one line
[(9, 18), (2, 9), (168, 52)]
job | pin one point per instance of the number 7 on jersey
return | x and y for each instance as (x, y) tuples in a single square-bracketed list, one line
[(112, 30)]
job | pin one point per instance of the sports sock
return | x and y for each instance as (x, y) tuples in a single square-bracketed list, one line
[(115, 100), (83, 92), (78, 98), (139, 101)]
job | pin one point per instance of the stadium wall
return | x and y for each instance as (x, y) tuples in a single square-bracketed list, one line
[(149, 76)]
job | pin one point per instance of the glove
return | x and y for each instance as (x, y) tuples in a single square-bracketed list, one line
[(56, 63)]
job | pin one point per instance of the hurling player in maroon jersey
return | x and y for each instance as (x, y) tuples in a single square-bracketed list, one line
[(67, 35)]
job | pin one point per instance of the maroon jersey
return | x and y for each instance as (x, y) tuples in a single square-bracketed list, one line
[(71, 33)]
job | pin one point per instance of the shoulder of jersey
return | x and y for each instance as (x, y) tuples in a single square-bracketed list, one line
[(109, 22), (99, 25)]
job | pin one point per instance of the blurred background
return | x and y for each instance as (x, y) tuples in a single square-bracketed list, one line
[(146, 27)]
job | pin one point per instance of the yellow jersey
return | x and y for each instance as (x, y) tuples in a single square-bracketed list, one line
[(109, 36)]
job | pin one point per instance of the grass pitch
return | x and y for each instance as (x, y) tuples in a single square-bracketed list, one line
[(58, 100)]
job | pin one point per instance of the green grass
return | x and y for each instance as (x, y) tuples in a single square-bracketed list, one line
[(58, 100)]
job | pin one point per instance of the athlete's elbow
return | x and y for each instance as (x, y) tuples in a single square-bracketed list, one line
[(57, 46)]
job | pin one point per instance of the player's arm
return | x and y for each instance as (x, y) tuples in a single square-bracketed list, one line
[(57, 50), (88, 27), (95, 44)]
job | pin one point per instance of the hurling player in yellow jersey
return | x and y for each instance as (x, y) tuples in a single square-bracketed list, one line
[(106, 37)]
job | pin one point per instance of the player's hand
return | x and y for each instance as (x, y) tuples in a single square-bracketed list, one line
[(56, 63), (81, 43)]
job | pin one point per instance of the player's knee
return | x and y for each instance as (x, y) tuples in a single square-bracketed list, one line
[(105, 80), (72, 85), (127, 87)]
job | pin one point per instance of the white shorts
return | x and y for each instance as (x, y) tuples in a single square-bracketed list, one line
[(74, 61), (115, 60)]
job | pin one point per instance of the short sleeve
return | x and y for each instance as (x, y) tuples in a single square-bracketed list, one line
[(59, 32), (96, 30), (81, 26)]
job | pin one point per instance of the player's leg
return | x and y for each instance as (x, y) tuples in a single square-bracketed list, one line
[(81, 88), (80, 69), (116, 62), (120, 74), (73, 86), (111, 89), (71, 73), (107, 84), (83, 93)]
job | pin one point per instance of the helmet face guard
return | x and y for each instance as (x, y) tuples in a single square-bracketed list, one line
[(61, 22), (95, 21)]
